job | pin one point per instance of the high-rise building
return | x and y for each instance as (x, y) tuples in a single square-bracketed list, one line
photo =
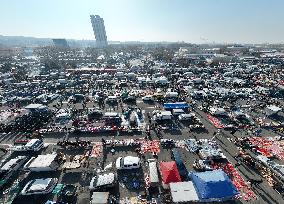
[(99, 30)]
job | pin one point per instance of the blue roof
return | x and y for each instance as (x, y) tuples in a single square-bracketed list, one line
[(179, 105), (181, 167), (213, 185)]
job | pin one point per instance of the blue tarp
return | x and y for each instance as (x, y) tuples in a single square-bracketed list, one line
[(180, 105), (181, 167), (213, 185)]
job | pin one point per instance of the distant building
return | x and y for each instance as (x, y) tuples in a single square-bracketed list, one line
[(60, 43), (198, 50), (99, 30), (6, 52)]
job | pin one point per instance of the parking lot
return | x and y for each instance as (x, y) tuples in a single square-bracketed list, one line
[(93, 123)]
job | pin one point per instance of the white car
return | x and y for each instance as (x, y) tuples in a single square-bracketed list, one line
[(128, 162), (148, 98), (112, 99), (185, 116), (103, 181), (39, 186), (50, 202), (177, 112)]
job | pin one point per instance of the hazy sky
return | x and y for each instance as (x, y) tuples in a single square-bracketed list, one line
[(194, 21)]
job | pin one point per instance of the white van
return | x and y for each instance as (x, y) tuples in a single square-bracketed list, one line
[(186, 116), (34, 145), (177, 112), (162, 115), (128, 162), (171, 95)]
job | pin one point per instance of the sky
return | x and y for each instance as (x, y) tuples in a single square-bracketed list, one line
[(193, 21)]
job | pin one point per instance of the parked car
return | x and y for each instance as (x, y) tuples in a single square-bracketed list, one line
[(129, 99), (177, 112), (128, 162), (76, 98), (68, 194), (95, 114), (148, 98), (185, 116)]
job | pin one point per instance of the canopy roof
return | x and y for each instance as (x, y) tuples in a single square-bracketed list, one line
[(213, 185), (169, 172), (100, 198), (274, 108), (179, 105), (35, 106), (183, 192)]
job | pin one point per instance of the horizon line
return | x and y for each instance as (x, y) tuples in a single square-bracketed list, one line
[(163, 41)]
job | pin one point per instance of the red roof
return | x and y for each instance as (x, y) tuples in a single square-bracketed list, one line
[(169, 172)]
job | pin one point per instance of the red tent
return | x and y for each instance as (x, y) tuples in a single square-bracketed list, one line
[(169, 172)]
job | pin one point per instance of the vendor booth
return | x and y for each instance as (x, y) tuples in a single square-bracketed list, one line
[(212, 186)]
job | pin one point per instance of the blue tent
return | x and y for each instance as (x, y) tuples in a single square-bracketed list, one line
[(213, 185), (178, 105)]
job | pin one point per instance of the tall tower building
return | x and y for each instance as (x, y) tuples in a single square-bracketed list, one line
[(99, 30)]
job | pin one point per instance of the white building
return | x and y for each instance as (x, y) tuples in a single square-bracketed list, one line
[(99, 30)]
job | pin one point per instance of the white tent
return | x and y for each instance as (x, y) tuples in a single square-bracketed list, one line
[(272, 109), (100, 198), (183, 192), (42, 163)]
